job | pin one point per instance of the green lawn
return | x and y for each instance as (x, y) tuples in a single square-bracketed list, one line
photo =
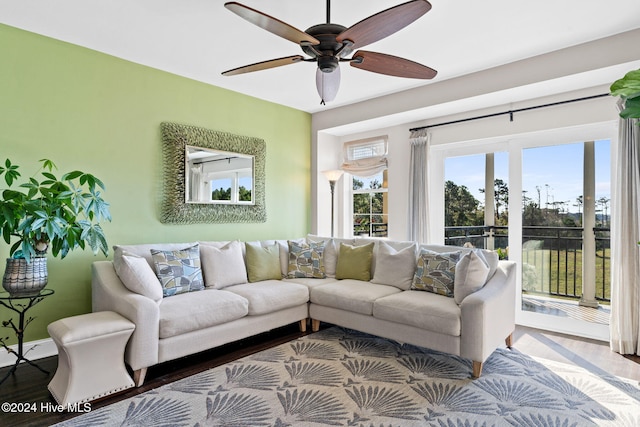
[(560, 272)]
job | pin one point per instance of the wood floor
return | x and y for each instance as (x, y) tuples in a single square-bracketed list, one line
[(30, 385)]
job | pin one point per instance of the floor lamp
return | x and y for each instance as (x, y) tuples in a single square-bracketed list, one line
[(333, 176)]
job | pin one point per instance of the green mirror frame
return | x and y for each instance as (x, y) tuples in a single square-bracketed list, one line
[(175, 209)]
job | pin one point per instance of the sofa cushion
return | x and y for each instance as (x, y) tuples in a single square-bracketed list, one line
[(351, 295), (268, 296), (223, 266), (311, 283), (306, 260), (263, 262), (198, 310), (435, 272), (137, 276), (354, 262), (471, 274), (179, 271), (424, 310), (394, 267)]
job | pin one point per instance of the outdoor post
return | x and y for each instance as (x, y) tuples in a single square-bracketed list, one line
[(588, 298), (489, 198)]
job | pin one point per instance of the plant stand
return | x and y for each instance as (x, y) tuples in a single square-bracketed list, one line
[(16, 304)]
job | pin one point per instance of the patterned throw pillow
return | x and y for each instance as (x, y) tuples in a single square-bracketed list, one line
[(179, 271), (306, 260), (435, 272)]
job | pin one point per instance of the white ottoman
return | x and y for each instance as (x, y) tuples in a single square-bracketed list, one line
[(90, 356)]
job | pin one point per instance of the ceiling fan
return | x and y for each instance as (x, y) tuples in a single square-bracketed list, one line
[(329, 44)]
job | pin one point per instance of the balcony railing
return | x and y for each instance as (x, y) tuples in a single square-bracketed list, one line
[(551, 256)]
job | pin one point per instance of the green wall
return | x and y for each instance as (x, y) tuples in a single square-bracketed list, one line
[(100, 114)]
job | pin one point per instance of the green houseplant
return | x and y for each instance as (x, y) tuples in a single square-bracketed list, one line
[(628, 88), (44, 212)]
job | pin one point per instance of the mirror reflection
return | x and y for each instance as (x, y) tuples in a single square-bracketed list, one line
[(214, 176)]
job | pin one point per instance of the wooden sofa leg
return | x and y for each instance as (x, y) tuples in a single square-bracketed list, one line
[(315, 325), (509, 340), (303, 325), (477, 369), (138, 376)]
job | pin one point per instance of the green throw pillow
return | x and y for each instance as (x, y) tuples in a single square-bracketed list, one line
[(306, 260), (179, 271), (263, 263), (435, 272), (354, 262)]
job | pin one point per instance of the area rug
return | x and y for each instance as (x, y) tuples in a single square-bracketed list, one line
[(340, 377)]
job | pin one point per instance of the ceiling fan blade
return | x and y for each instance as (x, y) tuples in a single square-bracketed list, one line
[(264, 65), (327, 84), (383, 24), (271, 24), (391, 65)]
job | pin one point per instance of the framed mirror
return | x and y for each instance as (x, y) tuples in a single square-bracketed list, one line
[(211, 176)]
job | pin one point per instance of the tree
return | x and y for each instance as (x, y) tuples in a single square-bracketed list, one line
[(579, 202), (221, 194), (461, 207), (604, 202), (357, 184), (245, 195)]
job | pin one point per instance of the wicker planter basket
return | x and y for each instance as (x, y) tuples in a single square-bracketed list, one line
[(22, 279)]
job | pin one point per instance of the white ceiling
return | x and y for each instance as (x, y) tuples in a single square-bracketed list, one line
[(199, 39)]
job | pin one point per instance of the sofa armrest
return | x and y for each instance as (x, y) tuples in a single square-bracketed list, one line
[(489, 315), (109, 294)]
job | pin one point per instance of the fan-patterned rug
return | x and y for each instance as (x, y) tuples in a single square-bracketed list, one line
[(340, 377)]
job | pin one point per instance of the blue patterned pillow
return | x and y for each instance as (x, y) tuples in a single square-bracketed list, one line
[(306, 260), (435, 272), (179, 271)]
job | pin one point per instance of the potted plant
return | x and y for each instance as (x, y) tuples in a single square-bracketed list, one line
[(628, 88), (46, 212)]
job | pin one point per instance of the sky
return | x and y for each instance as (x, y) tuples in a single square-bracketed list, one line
[(556, 170)]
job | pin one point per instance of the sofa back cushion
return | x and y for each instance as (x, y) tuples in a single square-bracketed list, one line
[(354, 262), (394, 267), (223, 266)]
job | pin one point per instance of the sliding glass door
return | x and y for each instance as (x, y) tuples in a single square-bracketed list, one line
[(548, 209)]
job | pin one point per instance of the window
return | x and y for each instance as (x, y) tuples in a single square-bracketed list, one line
[(370, 205), (232, 187), (366, 161)]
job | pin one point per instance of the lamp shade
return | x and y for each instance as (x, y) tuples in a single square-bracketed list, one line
[(333, 175), (328, 84)]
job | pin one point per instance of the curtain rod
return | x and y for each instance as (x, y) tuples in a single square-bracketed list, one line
[(510, 112)]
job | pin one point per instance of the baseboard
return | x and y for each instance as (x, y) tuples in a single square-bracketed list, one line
[(33, 350)]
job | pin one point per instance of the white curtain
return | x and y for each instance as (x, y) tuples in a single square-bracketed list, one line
[(196, 184), (625, 234), (365, 167), (419, 186), (367, 157)]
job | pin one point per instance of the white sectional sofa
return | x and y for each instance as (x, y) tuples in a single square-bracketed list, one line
[(375, 286)]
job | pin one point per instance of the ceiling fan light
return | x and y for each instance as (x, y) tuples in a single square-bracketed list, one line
[(327, 84)]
